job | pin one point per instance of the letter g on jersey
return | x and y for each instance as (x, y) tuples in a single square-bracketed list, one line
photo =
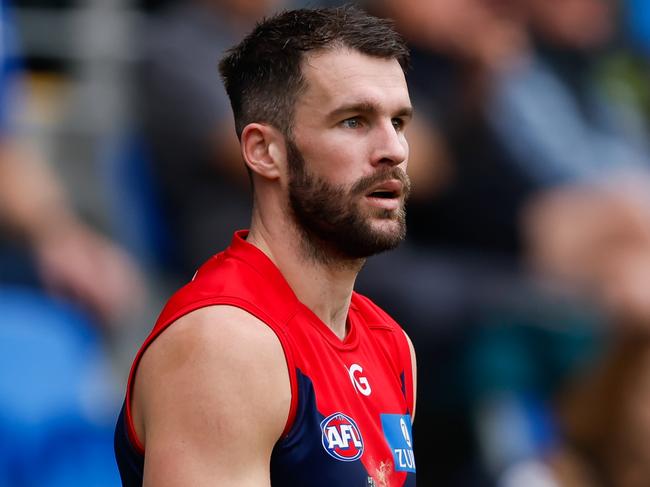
[(359, 382)]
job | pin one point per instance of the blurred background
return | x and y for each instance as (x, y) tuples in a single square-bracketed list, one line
[(524, 281)]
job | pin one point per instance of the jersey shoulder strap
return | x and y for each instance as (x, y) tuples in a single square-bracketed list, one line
[(386, 330)]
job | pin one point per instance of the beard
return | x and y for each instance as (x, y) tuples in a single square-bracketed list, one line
[(330, 218)]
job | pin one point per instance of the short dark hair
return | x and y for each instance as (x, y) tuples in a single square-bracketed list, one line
[(263, 74)]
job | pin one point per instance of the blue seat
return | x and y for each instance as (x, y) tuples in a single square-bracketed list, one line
[(58, 400)]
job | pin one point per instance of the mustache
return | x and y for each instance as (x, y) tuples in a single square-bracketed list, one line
[(365, 184)]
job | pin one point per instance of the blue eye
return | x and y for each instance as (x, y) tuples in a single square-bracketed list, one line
[(351, 123)]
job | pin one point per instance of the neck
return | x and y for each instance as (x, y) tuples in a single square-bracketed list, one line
[(324, 285)]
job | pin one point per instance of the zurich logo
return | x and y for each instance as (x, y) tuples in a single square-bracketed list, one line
[(397, 430), (341, 437)]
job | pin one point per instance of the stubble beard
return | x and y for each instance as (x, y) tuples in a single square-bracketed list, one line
[(333, 227)]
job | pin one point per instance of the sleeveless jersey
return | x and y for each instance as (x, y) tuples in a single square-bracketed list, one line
[(351, 400)]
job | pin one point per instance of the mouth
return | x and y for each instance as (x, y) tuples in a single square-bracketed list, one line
[(387, 190), (386, 195)]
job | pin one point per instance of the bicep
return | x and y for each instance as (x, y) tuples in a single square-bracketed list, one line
[(216, 399)]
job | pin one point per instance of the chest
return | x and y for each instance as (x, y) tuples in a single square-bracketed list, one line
[(351, 425)]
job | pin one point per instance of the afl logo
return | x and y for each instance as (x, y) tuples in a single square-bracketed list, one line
[(341, 437)]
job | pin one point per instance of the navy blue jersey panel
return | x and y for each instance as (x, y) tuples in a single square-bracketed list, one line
[(129, 461), (410, 481), (300, 460)]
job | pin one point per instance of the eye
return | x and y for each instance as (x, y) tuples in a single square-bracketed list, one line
[(398, 123), (351, 123)]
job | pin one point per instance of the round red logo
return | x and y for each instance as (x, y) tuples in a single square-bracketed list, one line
[(341, 437)]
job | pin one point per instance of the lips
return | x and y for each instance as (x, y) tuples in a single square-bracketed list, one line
[(387, 190)]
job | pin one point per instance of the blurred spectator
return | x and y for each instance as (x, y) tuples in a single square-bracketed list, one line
[(187, 123), (604, 416), (42, 237), (595, 236), (70, 259), (59, 279)]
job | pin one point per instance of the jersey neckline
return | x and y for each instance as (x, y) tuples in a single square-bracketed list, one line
[(257, 259)]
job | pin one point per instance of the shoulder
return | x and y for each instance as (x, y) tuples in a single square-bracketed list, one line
[(223, 349), (215, 383), (211, 330)]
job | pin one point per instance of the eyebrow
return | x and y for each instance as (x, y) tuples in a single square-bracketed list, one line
[(367, 107)]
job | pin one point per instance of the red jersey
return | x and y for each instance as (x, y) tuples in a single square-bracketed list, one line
[(349, 422)]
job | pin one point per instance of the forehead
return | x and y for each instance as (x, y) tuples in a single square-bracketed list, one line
[(343, 76)]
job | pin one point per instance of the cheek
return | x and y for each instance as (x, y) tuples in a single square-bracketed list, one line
[(337, 166), (339, 157)]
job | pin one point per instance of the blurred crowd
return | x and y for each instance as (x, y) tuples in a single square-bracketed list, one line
[(524, 281)]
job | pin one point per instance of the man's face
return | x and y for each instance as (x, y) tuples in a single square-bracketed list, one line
[(347, 155)]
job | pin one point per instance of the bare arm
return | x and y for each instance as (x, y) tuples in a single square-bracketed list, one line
[(211, 399)]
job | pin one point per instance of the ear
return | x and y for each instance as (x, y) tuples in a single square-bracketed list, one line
[(263, 150)]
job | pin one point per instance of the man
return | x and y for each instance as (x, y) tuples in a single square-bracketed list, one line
[(275, 372)]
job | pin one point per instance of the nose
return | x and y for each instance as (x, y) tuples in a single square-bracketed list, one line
[(390, 145)]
